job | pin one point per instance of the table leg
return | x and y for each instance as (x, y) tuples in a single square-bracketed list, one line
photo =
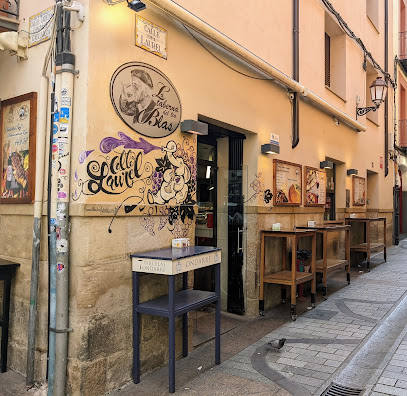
[(324, 262), (384, 232), (217, 314), (171, 333), (4, 329), (293, 280), (185, 319), (136, 329), (347, 254), (368, 245), (313, 269), (262, 269)]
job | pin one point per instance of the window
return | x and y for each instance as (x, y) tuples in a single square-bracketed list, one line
[(327, 60), (372, 12), (335, 57)]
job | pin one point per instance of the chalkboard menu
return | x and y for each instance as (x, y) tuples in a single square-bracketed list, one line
[(287, 183), (18, 118), (359, 191), (315, 187)]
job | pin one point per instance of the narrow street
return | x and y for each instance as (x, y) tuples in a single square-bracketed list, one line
[(357, 338)]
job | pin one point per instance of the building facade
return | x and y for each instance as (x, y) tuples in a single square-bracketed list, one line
[(138, 174)]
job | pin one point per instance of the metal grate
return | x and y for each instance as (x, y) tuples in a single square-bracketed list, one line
[(327, 60), (339, 390)]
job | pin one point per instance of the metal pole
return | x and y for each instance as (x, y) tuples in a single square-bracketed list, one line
[(296, 73), (52, 169), (65, 68), (39, 185)]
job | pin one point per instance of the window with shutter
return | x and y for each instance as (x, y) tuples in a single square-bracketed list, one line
[(327, 60)]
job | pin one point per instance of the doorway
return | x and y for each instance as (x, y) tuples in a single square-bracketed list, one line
[(221, 188), (330, 212)]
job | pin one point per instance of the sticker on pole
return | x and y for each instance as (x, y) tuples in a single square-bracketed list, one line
[(64, 115), (60, 267)]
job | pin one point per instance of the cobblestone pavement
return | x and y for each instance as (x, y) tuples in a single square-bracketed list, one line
[(356, 338)]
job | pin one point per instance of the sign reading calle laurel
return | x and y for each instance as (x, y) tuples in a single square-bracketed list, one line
[(151, 37), (145, 99)]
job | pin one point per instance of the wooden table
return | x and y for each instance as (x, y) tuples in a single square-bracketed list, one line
[(171, 262), (7, 271), (327, 265), (367, 246), (288, 277)]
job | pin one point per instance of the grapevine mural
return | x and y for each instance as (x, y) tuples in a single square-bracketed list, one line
[(259, 189), (164, 185)]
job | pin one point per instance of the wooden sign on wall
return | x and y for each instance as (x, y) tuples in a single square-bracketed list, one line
[(359, 191), (315, 187), (287, 183), (18, 119)]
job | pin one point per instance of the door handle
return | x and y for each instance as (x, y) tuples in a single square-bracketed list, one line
[(239, 249)]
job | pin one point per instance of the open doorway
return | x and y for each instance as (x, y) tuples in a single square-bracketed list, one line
[(221, 188)]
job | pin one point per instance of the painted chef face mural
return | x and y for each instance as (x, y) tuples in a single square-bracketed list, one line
[(145, 99), (143, 174)]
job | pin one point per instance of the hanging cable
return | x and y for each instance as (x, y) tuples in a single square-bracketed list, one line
[(221, 61), (352, 35)]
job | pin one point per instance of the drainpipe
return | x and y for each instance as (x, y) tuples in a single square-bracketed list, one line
[(386, 102), (198, 25), (396, 190), (296, 73), (39, 189), (65, 68)]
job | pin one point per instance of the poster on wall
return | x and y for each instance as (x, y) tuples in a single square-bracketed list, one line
[(18, 127), (315, 186), (359, 191), (145, 100), (287, 183)]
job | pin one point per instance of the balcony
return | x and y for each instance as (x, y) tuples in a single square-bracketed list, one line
[(403, 133), (9, 13)]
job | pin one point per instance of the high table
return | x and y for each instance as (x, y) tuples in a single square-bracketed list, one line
[(285, 277), (327, 265), (367, 246), (171, 262), (7, 271)]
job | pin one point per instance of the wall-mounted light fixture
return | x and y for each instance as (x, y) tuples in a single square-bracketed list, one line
[(378, 91), (326, 165), (136, 5), (270, 148), (352, 172), (196, 127)]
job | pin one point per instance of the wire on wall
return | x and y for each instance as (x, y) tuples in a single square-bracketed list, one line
[(220, 60), (352, 35)]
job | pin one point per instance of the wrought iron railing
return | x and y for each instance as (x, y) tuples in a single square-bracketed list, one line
[(402, 133), (10, 8)]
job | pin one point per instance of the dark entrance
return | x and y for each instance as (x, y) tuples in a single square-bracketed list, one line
[(211, 191)]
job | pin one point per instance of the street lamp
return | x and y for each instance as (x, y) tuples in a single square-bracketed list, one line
[(378, 91)]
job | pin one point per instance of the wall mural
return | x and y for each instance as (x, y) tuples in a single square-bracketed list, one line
[(164, 185), (259, 189)]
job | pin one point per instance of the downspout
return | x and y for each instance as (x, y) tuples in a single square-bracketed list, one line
[(296, 73), (38, 202), (65, 69), (198, 25), (396, 189), (386, 102)]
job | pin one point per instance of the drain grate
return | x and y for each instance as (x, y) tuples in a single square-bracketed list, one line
[(339, 390)]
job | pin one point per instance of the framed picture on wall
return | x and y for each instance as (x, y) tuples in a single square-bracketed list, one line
[(18, 121), (359, 191), (287, 183), (315, 186)]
